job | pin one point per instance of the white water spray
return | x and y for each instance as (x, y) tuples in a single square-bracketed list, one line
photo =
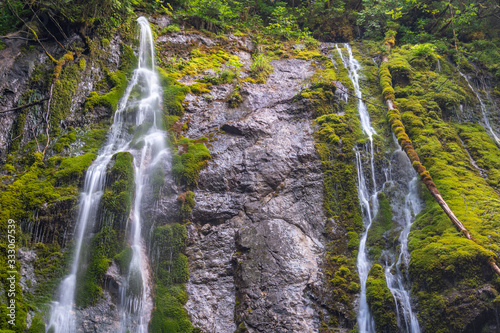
[(136, 302)]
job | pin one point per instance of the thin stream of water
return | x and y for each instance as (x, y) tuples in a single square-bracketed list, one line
[(484, 110), (368, 197), (367, 191), (406, 206)]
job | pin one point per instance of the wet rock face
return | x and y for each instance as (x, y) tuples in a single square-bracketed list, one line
[(102, 317), (256, 242), (15, 71)]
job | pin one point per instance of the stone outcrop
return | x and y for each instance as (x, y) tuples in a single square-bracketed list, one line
[(255, 246)]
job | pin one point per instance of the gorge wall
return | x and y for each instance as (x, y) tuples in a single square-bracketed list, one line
[(255, 226)]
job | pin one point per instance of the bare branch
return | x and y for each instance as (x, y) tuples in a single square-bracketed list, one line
[(24, 106)]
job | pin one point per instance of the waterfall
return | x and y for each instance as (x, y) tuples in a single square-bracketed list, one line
[(406, 206), (367, 191), (143, 112), (484, 110), (368, 197)]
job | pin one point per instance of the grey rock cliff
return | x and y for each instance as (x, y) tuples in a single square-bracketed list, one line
[(255, 246)]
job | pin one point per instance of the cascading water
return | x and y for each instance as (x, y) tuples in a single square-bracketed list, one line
[(150, 152), (406, 205), (367, 191), (484, 110), (368, 197)]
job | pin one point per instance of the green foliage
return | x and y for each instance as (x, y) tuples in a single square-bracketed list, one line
[(283, 24), (214, 15), (423, 55), (261, 68), (37, 325), (376, 16), (235, 99)]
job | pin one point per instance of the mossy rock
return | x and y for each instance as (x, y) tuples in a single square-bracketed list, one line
[(187, 165), (381, 301)]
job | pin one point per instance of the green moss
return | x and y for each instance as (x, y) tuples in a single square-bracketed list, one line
[(320, 97), (50, 267), (123, 259), (128, 60), (105, 43), (117, 198), (201, 60), (103, 246), (108, 243), (64, 141), (446, 267), (118, 83), (483, 150), (187, 165), (93, 139), (72, 168), (377, 238), (62, 97), (386, 82), (82, 64), (173, 94), (381, 301), (171, 271), (157, 181), (187, 202), (18, 130), (220, 77), (335, 140), (170, 120), (353, 240), (37, 325), (199, 88), (401, 71)]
